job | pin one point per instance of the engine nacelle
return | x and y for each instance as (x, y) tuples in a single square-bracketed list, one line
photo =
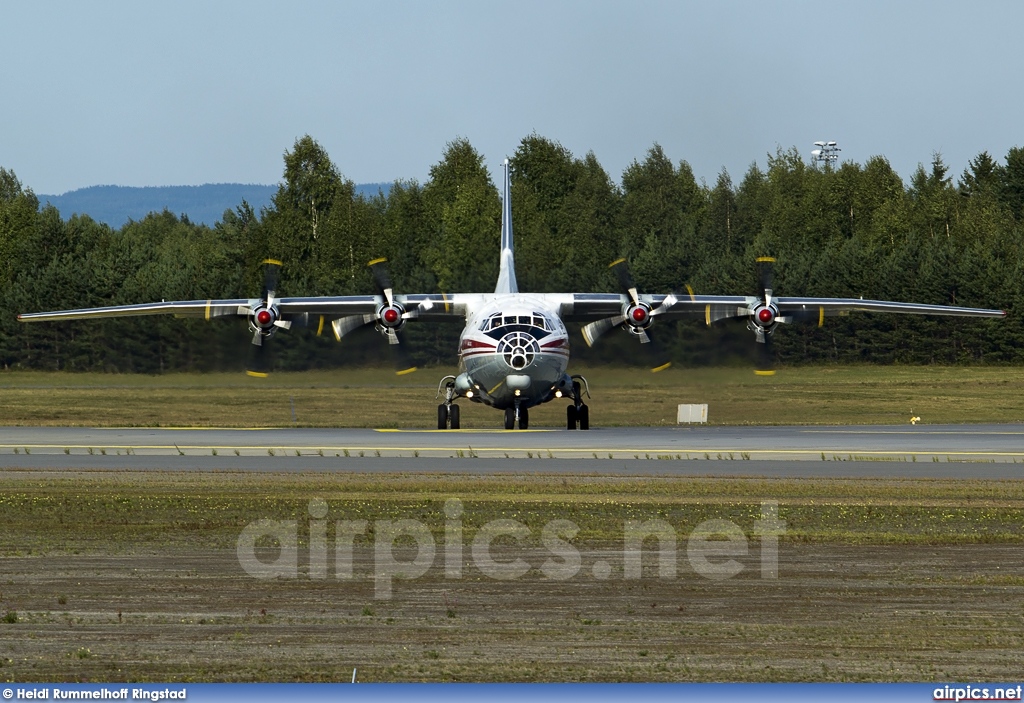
[(763, 320), (638, 317), (765, 316), (263, 319), (390, 317)]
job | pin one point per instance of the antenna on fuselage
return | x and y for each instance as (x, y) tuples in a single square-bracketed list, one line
[(507, 271)]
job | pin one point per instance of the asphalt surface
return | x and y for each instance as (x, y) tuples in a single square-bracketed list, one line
[(941, 451)]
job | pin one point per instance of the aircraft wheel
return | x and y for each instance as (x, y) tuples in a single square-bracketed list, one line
[(524, 419), (584, 417), (442, 417), (510, 418), (571, 417), (454, 415)]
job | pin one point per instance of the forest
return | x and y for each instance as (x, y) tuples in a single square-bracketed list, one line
[(849, 230)]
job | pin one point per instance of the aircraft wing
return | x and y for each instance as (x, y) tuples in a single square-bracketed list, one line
[(837, 306), (178, 308), (429, 305), (585, 307)]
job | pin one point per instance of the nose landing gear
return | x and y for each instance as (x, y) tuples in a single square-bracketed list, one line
[(513, 413), (578, 414)]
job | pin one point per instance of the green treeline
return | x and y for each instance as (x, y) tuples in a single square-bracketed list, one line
[(855, 230)]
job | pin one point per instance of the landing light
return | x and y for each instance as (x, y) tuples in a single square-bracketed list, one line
[(517, 392), (558, 394), (469, 394)]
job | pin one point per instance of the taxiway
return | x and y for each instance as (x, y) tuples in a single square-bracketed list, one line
[(978, 451)]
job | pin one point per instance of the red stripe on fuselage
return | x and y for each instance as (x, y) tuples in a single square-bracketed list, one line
[(477, 344)]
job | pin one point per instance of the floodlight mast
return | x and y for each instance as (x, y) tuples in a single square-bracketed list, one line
[(826, 153)]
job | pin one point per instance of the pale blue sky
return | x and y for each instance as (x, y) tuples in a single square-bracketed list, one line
[(184, 93)]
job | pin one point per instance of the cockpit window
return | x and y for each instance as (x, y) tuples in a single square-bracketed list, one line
[(537, 325)]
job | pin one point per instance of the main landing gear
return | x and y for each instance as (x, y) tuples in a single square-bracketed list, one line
[(448, 411), (578, 414)]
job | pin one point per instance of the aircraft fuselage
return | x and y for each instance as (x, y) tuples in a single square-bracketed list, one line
[(514, 348)]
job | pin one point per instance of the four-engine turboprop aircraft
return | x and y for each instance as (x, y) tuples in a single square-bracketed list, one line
[(514, 350)]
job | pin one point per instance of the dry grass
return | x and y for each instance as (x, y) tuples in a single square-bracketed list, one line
[(118, 576), (622, 397)]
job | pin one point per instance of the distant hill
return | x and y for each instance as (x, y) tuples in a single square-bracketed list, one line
[(115, 205)]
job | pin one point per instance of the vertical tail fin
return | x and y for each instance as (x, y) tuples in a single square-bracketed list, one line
[(507, 272)]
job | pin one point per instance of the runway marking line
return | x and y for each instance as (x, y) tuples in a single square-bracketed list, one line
[(914, 432), (466, 431), (312, 449)]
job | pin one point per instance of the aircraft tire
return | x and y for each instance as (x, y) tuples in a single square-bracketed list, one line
[(453, 414), (510, 418), (524, 419), (570, 417), (442, 417), (584, 417)]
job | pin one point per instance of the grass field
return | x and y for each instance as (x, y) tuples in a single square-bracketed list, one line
[(135, 576), (621, 397)]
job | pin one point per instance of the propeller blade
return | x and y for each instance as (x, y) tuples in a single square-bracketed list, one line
[(666, 305), (661, 359), (764, 277), (382, 279), (257, 365), (714, 313), (622, 273), (344, 325), (399, 354), (765, 356), (271, 272), (307, 320), (592, 331), (804, 316)]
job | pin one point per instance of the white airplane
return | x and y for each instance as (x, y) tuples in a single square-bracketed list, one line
[(514, 349)]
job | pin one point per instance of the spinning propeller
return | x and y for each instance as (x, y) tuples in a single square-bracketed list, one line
[(264, 320), (763, 316), (636, 316), (389, 318)]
